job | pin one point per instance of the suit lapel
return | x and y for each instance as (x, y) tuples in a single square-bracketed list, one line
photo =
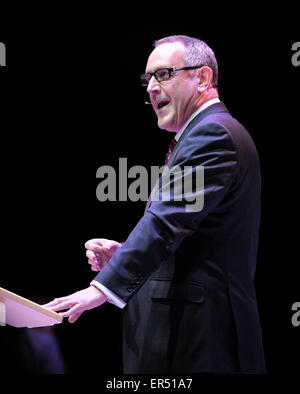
[(212, 109)]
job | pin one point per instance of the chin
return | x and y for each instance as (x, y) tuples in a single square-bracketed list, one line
[(165, 126)]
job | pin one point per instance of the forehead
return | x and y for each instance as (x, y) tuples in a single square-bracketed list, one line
[(166, 55)]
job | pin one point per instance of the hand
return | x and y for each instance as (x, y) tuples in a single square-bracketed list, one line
[(100, 251), (77, 303)]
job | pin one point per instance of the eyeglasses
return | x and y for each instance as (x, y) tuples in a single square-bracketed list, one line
[(163, 74)]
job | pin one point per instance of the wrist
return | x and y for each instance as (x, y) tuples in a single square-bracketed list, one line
[(97, 291)]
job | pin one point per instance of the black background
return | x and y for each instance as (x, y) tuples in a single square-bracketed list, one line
[(71, 102)]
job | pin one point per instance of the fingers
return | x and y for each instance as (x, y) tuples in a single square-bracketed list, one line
[(73, 314), (91, 256), (94, 244), (97, 260), (74, 317), (62, 303), (92, 260), (101, 257), (75, 304), (49, 304), (55, 302), (97, 241), (60, 306), (100, 250), (107, 246)]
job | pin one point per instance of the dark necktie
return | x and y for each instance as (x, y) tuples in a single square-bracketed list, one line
[(171, 147)]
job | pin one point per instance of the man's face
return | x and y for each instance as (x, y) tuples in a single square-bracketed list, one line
[(180, 92)]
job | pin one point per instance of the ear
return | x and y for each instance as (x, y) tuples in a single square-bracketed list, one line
[(205, 77)]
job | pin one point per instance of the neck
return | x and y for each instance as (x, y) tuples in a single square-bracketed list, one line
[(204, 97), (207, 95)]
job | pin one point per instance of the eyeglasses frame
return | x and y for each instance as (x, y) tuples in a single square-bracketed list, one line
[(170, 70)]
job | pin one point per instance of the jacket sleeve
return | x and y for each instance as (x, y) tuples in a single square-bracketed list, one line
[(168, 221)]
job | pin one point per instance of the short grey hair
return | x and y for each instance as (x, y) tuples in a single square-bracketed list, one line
[(197, 52)]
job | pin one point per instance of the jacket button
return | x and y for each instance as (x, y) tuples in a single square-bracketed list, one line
[(130, 289)]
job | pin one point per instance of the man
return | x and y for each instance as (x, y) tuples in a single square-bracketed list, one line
[(185, 277)]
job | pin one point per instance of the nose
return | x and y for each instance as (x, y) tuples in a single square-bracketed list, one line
[(153, 85)]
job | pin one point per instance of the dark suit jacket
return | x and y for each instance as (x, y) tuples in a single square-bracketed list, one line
[(188, 276)]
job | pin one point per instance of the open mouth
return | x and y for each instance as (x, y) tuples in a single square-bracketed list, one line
[(162, 104)]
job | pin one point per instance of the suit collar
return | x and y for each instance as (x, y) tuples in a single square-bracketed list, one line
[(201, 108), (212, 109)]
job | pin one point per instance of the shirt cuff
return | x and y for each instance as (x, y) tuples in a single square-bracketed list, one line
[(111, 297)]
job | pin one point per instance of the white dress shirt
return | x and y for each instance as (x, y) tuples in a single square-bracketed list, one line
[(111, 296)]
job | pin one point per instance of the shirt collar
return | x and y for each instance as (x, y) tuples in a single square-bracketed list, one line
[(201, 108)]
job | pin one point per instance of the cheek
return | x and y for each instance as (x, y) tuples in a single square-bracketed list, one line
[(179, 106), (183, 100), (181, 95)]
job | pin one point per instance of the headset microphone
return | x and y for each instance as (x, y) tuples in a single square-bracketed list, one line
[(147, 102)]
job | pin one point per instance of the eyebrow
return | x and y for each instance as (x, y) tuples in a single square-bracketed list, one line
[(159, 68)]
